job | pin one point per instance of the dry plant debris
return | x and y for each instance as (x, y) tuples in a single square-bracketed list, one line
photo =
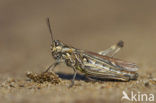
[(44, 77)]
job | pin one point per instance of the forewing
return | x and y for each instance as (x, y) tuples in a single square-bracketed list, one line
[(118, 63)]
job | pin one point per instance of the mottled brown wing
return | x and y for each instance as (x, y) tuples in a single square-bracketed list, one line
[(124, 65)]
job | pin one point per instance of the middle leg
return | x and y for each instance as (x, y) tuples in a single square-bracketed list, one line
[(72, 81)]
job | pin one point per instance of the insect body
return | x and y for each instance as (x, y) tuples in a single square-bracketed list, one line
[(99, 65)]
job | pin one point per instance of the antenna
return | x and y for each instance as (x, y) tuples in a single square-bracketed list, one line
[(50, 30)]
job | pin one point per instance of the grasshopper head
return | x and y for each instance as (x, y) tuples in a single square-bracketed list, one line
[(56, 49)]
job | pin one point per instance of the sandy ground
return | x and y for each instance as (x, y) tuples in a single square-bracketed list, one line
[(89, 25)]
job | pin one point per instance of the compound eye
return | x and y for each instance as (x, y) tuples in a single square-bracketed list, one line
[(56, 43)]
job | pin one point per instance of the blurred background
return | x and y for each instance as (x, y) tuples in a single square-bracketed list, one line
[(86, 24)]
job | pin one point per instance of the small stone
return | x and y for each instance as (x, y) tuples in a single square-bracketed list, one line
[(147, 84), (21, 85)]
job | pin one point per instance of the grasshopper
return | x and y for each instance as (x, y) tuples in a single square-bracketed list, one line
[(97, 65)]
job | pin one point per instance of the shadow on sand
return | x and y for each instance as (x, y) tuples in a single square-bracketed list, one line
[(70, 76), (82, 77)]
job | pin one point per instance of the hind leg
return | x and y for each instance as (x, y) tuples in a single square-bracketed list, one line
[(113, 49)]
